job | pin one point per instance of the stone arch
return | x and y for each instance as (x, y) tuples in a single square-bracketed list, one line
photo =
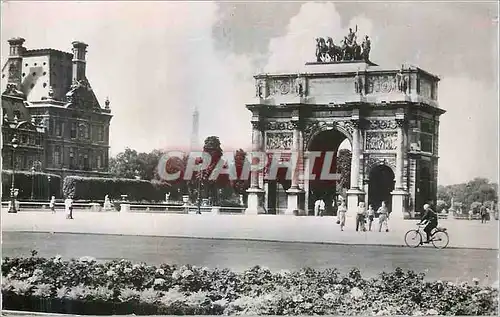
[(344, 127), (372, 162)]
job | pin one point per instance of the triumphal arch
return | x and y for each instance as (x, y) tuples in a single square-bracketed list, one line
[(390, 116)]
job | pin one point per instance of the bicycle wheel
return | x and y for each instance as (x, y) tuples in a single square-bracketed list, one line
[(440, 239), (413, 238)]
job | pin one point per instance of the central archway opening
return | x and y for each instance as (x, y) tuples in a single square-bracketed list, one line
[(276, 189), (380, 186), (329, 144)]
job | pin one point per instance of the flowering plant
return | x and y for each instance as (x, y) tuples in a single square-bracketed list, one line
[(169, 289)]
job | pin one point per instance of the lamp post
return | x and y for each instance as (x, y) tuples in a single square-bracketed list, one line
[(48, 186), (15, 144), (32, 180)]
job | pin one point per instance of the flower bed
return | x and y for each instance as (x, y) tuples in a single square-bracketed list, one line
[(85, 286)]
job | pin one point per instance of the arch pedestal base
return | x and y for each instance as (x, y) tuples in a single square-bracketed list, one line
[(255, 202), (354, 196), (295, 200), (398, 211)]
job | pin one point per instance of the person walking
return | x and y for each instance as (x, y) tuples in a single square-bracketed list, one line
[(383, 217), (371, 216), (342, 209), (68, 204), (321, 207), (52, 204), (316, 207), (484, 213), (360, 217)]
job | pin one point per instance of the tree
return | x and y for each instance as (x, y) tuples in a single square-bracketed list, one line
[(476, 190), (240, 185), (125, 164), (344, 168), (441, 205)]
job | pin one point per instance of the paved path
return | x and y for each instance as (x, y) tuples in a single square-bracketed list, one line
[(463, 233), (449, 264)]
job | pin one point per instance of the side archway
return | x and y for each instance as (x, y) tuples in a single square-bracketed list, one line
[(380, 186)]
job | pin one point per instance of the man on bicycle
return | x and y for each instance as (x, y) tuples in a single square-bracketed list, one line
[(430, 218)]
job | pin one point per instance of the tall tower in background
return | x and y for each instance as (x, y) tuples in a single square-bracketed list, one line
[(195, 128)]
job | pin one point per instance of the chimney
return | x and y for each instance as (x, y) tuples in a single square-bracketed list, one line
[(79, 50), (15, 62)]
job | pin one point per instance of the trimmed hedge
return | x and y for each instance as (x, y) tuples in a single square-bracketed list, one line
[(93, 188), (23, 180)]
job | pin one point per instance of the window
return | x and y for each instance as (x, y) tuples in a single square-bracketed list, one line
[(73, 130), (58, 128), (99, 160), (71, 158), (57, 155), (100, 134), (85, 162), (426, 142), (38, 140), (87, 132)]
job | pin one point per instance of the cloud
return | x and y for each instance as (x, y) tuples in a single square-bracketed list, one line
[(155, 60), (297, 46)]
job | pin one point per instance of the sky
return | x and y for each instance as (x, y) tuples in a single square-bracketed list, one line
[(157, 61)]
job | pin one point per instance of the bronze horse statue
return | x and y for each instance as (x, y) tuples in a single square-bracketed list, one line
[(321, 50), (334, 51)]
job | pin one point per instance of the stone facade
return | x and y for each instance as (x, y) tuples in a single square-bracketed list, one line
[(53, 93), (390, 117)]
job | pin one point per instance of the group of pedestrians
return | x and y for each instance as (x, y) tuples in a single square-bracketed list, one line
[(363, 216), (367, 216), (68, 206)]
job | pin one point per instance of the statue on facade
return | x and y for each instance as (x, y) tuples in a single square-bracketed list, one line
[(259, 89), (299, 86), (358, 83), (366, 46), (51, 92), (401, 80)]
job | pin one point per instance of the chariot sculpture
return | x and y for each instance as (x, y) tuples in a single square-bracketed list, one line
[(348, 50)]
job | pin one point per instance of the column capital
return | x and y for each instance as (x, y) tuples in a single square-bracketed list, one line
[(297, 124), (356, 123), (401, 122), (257, 125)]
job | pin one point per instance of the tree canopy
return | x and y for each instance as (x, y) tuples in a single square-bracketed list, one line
[(479, 190)]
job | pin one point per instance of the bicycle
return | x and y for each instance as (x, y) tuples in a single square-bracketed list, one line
[(439, 237)]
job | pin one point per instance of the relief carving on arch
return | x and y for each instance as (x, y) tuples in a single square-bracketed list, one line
[(382, 84), (281, 86), (372, 161), (382, 125), (279, 140), (381, 141), (277, 125)]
